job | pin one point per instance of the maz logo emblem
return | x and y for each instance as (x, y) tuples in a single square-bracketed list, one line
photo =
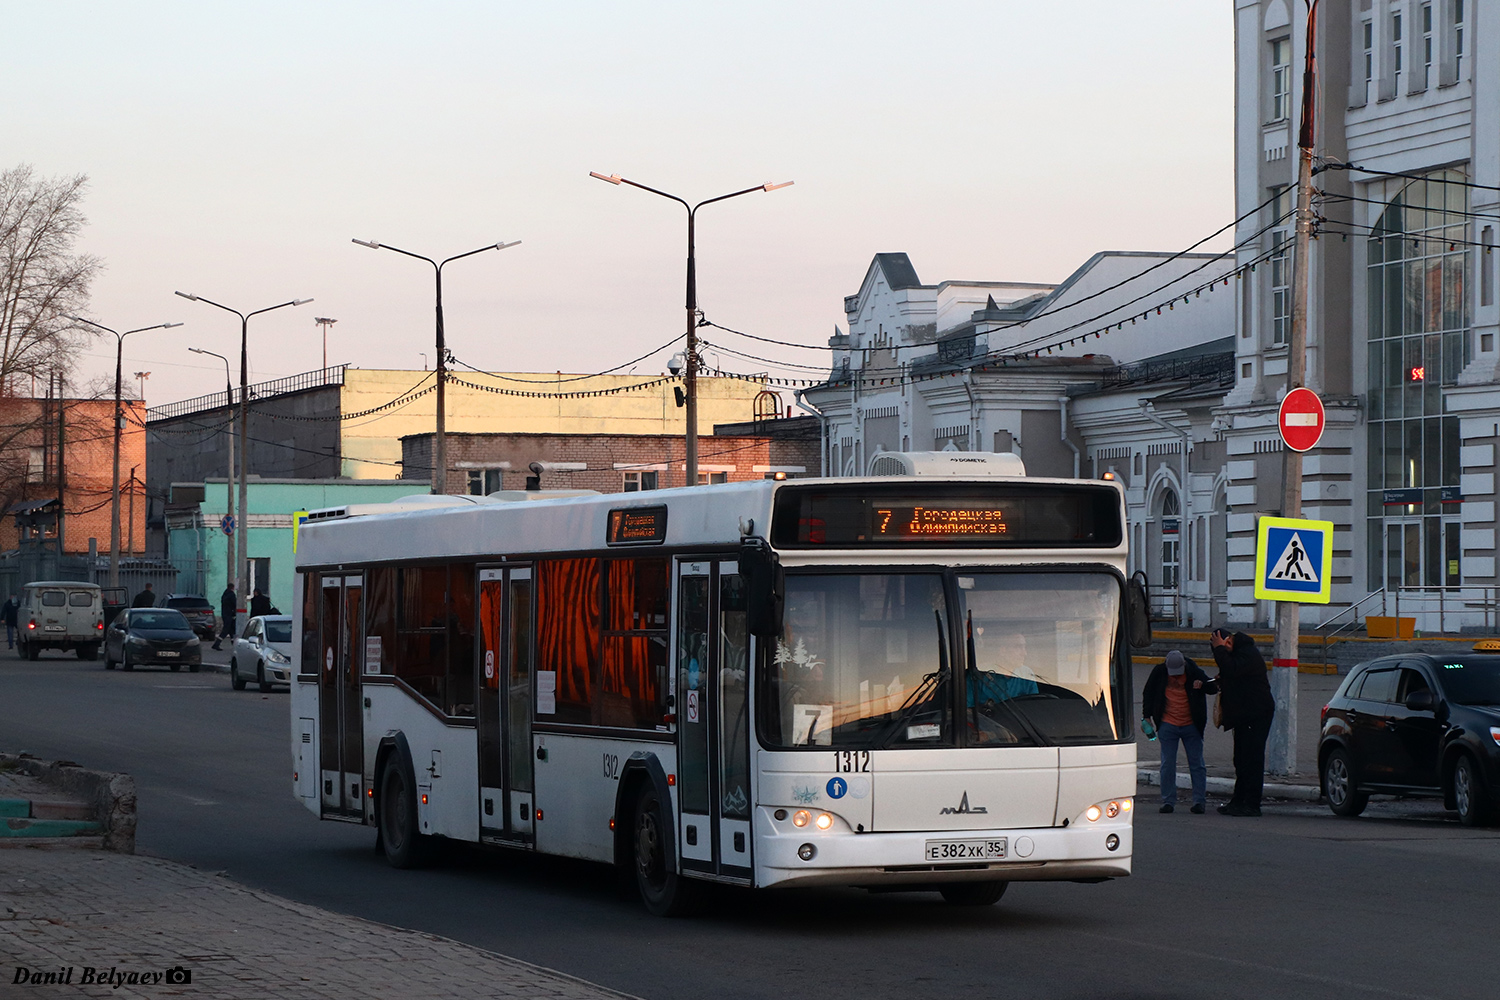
[(963, 808)]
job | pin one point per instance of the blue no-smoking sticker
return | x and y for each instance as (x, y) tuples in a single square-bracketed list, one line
[(837, 787)]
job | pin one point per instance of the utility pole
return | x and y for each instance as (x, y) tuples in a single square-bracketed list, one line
[(440, 432), (119, 415), (229, 477), (325, 323), (1282, 751), (690, 354)]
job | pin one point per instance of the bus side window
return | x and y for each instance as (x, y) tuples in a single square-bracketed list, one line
[(634, 682), (311, 587), (567, 642), (380, 619), (459, 690)]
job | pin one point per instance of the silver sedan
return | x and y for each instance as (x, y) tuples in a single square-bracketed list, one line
[(263, 653)]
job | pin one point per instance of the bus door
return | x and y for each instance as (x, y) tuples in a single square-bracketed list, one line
[(504, 686), (341, 648), (713, 728)]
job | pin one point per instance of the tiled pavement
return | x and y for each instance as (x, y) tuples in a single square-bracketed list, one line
[(96, 913)]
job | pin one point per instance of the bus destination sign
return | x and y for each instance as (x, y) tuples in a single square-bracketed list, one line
[(637, 526), (955, 515), (938, 522)]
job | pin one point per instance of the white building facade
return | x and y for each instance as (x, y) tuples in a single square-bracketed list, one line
[(1402, 308)]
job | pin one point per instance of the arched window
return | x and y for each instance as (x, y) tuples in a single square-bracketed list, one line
[(1171, 539)]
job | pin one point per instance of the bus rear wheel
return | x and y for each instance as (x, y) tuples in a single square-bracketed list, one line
[(404, 847), (665, 893), (973, 893)]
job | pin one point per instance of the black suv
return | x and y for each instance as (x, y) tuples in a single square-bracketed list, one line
[(197, 610), (1415, 724)]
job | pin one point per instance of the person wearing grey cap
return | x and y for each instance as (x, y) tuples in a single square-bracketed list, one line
[(1175, 700)]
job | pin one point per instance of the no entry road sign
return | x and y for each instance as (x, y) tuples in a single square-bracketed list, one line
[(1301, 419)]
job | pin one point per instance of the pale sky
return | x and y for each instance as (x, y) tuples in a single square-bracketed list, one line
[(234, 150)]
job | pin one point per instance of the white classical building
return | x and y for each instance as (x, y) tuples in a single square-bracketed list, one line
[(1403, 316)]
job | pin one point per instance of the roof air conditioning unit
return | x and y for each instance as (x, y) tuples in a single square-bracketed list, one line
[(947, 463)]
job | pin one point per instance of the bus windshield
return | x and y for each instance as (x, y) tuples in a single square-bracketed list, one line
[(1037, 656), (863, 660)]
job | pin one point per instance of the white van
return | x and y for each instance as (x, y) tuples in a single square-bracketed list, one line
[(60, 614)]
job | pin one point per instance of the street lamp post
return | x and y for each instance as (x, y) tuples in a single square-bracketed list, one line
[(690, 374), (229, 477), (440, 436), (241, 545), (114, 505)]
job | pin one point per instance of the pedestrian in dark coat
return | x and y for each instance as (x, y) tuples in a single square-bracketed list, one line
[(10, 613), (1175, 700), (228, 607), (145, 599), (260, 604), (1247, 708)]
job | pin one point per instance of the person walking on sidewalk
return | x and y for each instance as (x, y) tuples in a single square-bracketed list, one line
[(260, 604), (10, 612), (1176, 702), (228, 606), (1247, 708)]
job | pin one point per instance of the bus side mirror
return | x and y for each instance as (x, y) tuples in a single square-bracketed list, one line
[(761, 571), (1137, 612)]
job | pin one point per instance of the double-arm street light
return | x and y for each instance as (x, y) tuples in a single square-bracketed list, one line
[(114, 504), (229, 433), (440, 438), (690, 375), (241, 548)]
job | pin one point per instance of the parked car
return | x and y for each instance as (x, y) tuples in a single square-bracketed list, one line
[(60, 614), (141, 636), (198, 611), (263, 651), (1415, 724)]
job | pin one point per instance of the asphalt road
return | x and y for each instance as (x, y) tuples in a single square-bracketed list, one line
[(1296, 904)]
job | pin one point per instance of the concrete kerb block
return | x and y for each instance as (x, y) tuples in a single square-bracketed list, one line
[(109, 796), (1225, 786)]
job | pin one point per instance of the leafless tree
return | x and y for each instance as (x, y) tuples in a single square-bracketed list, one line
[(43, 278)]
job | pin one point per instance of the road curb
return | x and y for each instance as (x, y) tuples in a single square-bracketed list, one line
[(110, 797), (1273, 789)]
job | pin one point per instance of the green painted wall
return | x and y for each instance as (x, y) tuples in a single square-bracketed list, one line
[(276, 499)]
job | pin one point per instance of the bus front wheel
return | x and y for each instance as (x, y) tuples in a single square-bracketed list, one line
[(665, 893), (404, 847), (974, 893)]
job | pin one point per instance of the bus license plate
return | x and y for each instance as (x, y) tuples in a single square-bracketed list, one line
[(167, 652), (966, 850)]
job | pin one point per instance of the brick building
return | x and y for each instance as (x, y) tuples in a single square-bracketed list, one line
[(51, 448), (616, 463)]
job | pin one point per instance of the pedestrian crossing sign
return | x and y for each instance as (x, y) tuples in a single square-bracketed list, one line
[(1294, 560)]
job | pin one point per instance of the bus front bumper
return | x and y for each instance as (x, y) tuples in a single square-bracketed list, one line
[(1051, 854)]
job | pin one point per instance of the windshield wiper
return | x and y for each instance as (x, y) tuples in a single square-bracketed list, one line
[(931, 684)]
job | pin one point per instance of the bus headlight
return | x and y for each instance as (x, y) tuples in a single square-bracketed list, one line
[(824, 821), (1112, 809), (807, 852), (801, 817)]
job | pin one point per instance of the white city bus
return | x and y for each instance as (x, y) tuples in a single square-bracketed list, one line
[(915, 682)]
